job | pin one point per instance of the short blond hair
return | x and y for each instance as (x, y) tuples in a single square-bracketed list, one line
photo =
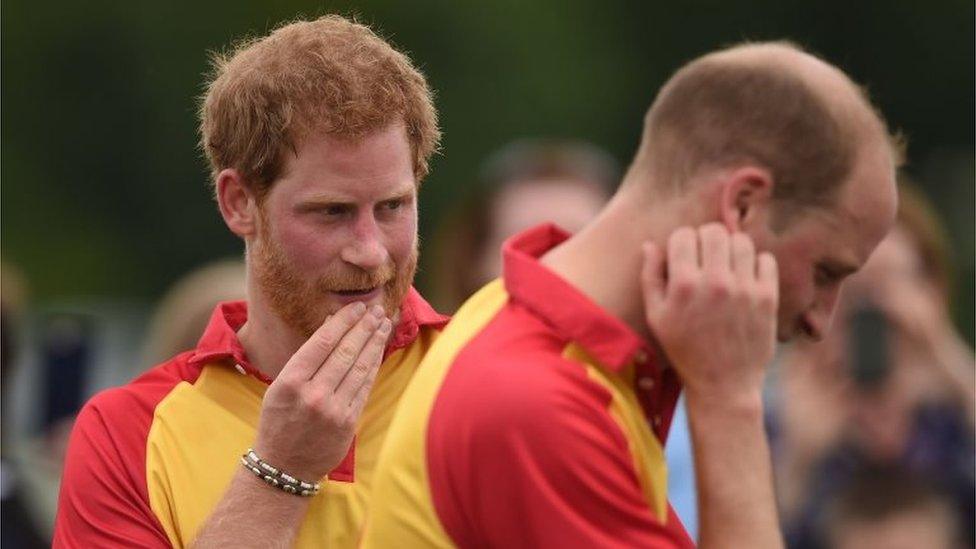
[(714, 113), (331, 75)]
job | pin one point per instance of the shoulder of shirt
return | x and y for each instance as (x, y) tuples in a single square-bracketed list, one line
[(527, 383), (123, 405)]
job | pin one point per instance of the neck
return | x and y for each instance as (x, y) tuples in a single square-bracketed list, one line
[(266, 339), (604, 260)]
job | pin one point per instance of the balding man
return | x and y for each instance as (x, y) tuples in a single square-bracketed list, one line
[(763, 178)]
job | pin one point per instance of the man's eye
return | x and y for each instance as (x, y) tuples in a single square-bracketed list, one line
[(824, 276), (393, 204), (335, 210)]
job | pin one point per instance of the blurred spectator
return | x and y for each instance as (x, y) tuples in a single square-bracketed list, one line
[(19, 529), (522, 184), (183, 312), (890, 509), (66, 348), (72, 350), (891, 385)]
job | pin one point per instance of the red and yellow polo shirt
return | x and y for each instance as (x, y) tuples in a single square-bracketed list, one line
[(537, 420), (148, 462)]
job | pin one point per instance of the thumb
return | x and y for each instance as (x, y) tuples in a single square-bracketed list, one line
[(653, 278)]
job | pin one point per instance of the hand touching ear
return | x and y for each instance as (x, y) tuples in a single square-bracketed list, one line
[(711, 302)]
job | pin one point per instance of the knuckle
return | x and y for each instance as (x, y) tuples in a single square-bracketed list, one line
[(684, 288), (310, 400), (345, 353), (323, 342), (720, 284), (719, 291), (344, 422), (332, 410), (358, 370), (766, 299), (327, 412), (286, 386)]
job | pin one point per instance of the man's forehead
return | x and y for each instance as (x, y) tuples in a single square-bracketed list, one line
[(847, 239), (867, 203), (828, 236)]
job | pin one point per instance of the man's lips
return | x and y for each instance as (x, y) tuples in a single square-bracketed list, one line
[(362, 294), (355, 292)]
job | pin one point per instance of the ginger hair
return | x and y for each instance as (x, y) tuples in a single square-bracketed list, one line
[(330, 75)]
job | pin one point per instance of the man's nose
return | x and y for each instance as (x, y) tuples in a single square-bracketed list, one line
[(817, 320), (365, 248)]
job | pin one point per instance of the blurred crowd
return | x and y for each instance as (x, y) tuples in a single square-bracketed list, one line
[(872, 429)]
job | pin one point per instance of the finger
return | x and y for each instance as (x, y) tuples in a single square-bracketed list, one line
[(683, 254), (346, 352), (310, 356), (743, 258), (768, 275), (714, 238), (362, 396), (361, 376), (653, 280)]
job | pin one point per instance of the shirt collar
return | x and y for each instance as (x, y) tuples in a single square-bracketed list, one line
[(219, 341), (415, 313), (571, 313)]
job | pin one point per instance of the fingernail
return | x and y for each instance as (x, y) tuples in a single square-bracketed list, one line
[(359, 308), (385, 326), (376, 311)]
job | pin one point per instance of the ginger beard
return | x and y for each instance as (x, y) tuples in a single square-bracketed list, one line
[(303, 303)]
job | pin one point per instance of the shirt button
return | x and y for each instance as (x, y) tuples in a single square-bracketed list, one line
[(657, 420), (640, 357), (240, 369), (645, 383)]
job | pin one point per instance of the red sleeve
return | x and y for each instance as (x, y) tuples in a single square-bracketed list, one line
[(104, 500), (528, 456)]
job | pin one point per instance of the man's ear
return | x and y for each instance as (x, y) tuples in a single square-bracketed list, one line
[(237, 202), (747, 198)]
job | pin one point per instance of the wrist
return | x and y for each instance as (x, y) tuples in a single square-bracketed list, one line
[(277, 477), (250, 491), (289, 462), (734, 405)]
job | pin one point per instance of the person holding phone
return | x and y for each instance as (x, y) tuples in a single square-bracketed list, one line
[(890, 387)]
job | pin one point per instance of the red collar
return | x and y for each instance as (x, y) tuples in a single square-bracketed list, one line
[(219, 342), (576, 318), (572, 314)]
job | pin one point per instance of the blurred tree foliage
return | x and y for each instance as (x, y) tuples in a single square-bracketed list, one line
[(105, 193)]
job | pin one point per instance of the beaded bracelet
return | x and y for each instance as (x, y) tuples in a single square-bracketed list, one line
[(276, 477)]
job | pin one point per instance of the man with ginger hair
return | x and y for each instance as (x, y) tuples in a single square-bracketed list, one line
[(318, 136), (763, 178)]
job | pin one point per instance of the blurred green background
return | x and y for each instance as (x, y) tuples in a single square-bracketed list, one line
[(104, 193)]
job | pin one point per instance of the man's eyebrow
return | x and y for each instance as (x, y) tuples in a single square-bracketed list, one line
[(318, 202), (399, 195)]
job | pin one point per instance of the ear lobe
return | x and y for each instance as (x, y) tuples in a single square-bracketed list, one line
[(237, 203), (746, 197)]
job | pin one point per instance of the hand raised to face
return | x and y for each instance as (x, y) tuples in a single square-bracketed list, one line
[(710, 302), (309, 414)]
